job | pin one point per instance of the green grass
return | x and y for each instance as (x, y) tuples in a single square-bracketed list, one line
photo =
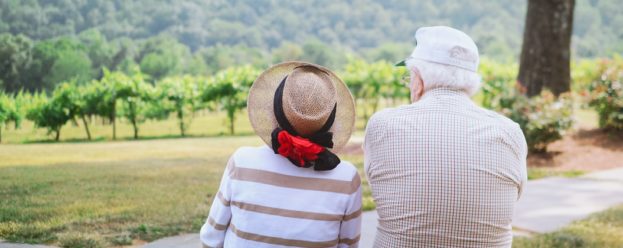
[(106, 193), (54, 193), (538, 173), (603, 229)]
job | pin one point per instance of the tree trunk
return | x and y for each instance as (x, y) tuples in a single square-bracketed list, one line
[(58, 134), (86, 127), (180, 116), (113, 119), (231, 126), (133, 117), (545, 53), (135, 129)]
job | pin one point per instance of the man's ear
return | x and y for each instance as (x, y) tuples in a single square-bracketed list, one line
[(420, 86)]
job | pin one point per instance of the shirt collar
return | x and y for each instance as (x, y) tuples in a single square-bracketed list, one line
[(445, 92)]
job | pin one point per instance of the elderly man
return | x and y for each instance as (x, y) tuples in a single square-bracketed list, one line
[(443, 171)]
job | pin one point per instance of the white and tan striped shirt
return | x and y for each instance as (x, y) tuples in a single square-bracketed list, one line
[(265, 201), (444, 173)]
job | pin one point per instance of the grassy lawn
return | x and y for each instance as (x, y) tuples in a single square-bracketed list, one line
[(112, 193), (603, 229), (538, 173), (122, 192)]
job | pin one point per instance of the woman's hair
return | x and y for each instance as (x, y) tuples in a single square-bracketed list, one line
[(437, 75)]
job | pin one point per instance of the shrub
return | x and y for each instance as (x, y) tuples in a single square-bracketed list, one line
[(543, 119), (606, 94)]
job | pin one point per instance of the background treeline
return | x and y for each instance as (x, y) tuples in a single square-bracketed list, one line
[(267, 24), (45, 42)]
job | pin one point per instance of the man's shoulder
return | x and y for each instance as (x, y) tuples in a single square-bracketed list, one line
[(505, 125), (499, 119), (388, 114)]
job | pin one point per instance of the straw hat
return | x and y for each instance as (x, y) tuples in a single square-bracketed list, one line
[(310, 93)]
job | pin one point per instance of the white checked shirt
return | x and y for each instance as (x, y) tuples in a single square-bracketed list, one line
[(265, 201), (444, 173)]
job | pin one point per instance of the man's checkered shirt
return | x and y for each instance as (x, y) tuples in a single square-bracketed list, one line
[(444, 173)]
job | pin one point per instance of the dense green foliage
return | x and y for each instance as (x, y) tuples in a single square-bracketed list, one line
[(267, 24), (9, 111), (49, 42)]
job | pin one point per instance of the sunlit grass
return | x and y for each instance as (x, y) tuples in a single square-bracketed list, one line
[(538, 173), (108, 191), (143, 189), (603, 229)]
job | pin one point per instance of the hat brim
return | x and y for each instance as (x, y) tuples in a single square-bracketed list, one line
[(262, 93)]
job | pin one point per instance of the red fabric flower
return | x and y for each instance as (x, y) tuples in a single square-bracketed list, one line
[(297, 148)]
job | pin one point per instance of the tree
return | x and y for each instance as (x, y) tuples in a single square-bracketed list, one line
[(545, 54), (229, 88), (71, 65), (137, 98), (51, 113), (162, 56), (90, 98), (80, 101), (180, 95), (99, 51), (108, 88), (9, 111), (56, 61), (369, 83), (16, 54)]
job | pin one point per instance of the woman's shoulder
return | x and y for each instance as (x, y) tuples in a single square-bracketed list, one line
[(264, 158), (346, 167), (347, 171)]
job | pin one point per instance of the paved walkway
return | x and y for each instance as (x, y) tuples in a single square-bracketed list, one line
[(552, 203), (548, 204), (10, 245)]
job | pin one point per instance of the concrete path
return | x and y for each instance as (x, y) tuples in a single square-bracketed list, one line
[(182, 241), (11, 245), (552, 203), (547, 205)]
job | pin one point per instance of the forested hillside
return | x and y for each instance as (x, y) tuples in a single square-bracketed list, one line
[(44, 41)]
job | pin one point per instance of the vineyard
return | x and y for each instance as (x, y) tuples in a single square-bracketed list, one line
[(135, 100)]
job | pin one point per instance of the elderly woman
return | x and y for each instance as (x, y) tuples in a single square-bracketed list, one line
[(443, 171), (294, 191)]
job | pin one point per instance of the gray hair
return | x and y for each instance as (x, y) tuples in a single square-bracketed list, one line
[(437, 75)]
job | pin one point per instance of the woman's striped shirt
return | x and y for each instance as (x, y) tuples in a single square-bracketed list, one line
[(265, 201)]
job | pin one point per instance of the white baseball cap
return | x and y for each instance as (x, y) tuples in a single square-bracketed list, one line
[(445, 45)]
